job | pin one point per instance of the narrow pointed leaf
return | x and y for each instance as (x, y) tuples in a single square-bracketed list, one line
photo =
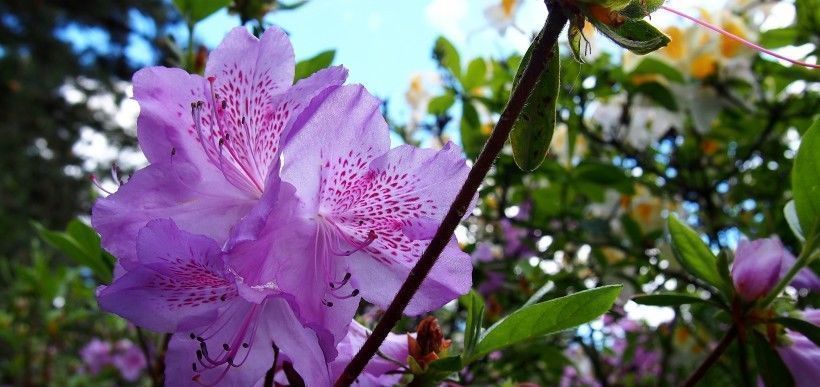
[(693, 254), (546, 318)]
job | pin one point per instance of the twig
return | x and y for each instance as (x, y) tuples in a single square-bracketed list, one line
[(712, 358), (556, 20)]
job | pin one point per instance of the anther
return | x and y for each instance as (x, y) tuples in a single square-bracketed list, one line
[(193, 366), (327, 303), (226, 347), (245, 345), (193, 336)]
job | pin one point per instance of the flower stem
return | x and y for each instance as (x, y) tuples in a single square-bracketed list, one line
[(556, 20), (712, 358)]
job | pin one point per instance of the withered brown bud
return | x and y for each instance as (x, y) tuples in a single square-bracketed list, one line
[(429, 341)]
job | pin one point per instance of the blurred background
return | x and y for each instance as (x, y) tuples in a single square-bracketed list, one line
[(705, 129)]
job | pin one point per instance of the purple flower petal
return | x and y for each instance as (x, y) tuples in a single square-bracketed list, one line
[(392, 352), (449, 278), (246, 335), (177, 285)]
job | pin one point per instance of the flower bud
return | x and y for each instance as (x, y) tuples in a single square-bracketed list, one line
[(757, 267), (429, 342)]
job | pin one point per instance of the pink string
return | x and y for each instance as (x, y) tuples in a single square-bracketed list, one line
[(739, 39)]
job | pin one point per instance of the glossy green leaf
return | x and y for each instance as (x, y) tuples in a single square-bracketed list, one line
[(637, 36), (546, 318), (532, 131), (811, 331), (447, 55), (667, 299), (196, 10), (806, 179), (307, 67), (693, 254), (771, 367)]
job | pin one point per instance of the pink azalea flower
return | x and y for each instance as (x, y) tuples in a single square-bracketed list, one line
[(181, 285), (96, 355), (366, 214), (213, 142), (129, 360)]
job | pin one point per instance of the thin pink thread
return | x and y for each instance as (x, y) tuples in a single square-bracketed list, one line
[(739, 39)]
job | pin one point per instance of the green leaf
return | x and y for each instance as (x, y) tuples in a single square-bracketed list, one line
[(790, 213), (532, 131), (475, 318), (546, 318), (196, 10), (658, 93), (667, 299), (476, 74), (639, 9), (447, 56), (693, 254), (653, 66), (471, 137), (80, 246), (309, 66), (539, 294), (576, 38), (779, 37), (806, 179), (771, 367), (637, 36), (811, 331), (439, 105), (605, 175)]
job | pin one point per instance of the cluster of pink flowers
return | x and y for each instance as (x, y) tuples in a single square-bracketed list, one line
[(123, 355), (268, 211)]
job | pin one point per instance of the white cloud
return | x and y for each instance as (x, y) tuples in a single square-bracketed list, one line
[(446, 16)]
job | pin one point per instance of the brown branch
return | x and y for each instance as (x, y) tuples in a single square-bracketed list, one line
[(556, 20), (712, 358)]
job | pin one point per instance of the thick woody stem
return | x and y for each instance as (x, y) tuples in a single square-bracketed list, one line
[(555, 23)]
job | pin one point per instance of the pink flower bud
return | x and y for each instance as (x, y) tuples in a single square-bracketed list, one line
[(757, 267)]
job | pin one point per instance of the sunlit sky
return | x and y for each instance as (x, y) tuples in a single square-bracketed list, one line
[(383, 43)]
